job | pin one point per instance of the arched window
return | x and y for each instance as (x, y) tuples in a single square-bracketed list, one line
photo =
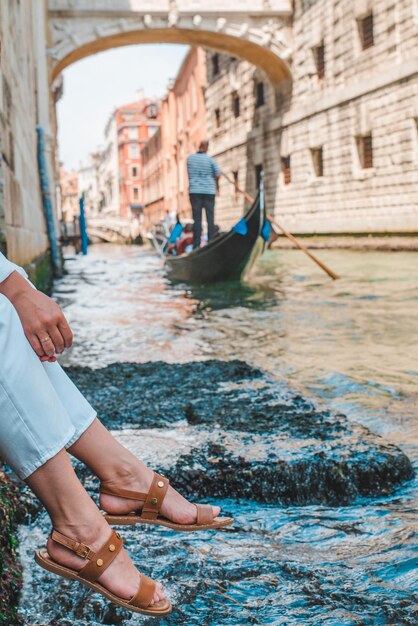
[(215, 64), (194, 95)]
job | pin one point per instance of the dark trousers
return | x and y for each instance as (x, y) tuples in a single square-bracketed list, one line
[(200, 201)]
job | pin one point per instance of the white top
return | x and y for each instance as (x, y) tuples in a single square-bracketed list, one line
[(7, 267)]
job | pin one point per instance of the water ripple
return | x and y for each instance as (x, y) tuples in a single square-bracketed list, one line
[(350, 345)]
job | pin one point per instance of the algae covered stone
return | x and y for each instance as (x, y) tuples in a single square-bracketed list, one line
[(225, 429)]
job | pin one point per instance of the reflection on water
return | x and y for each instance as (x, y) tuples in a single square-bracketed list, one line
[(120, 309), (351, 344)]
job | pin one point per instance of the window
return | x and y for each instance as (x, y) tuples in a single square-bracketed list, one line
[(287, 174), (318, 161), (217, 118), (365, 151), (215, 64), (135, 194), (133, 151), (181, 175), (134, 171), (365, 26), (187, 105), (415, 123), (152, 111), (319, 57), (133, 133), (236, 182), (180, 114), (236, 105), (258, 173), (194, 95), (259, 94)]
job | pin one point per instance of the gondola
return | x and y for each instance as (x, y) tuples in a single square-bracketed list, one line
[(229, 256)]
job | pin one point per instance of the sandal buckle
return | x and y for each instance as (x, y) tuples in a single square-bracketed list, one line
[(84, 551)]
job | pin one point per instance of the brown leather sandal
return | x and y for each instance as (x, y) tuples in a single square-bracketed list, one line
[(153, 501), (98, 562)]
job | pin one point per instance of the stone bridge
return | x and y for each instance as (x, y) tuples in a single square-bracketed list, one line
[(256, 30)]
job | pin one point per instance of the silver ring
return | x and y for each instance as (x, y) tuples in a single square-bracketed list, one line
[(45, 340)]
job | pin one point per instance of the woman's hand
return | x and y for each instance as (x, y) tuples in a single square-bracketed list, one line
[(43, 321)]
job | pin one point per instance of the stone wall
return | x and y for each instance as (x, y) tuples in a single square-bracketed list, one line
[(24, 102), (236, 137), (364, 92)]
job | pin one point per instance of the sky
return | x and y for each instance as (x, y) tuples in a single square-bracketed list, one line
[(94, 86)]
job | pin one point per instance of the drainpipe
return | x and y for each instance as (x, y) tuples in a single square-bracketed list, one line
[(83, 227), (47, 204)]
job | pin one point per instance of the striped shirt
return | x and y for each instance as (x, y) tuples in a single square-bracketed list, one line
[(202, 169)]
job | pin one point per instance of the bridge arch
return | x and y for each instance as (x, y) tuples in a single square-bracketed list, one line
[(79, 29)]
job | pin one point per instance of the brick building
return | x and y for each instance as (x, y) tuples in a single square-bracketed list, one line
[(120, 172), (135, 124), (183, 126), (339, 142), (158, 158)]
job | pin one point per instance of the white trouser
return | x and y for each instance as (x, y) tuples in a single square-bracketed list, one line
[(41, 410)]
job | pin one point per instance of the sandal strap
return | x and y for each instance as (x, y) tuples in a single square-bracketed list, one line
[(123, 493), (204, 514), (145, 593), (98, 561), (155, 497), (102, 558), (80, 549)]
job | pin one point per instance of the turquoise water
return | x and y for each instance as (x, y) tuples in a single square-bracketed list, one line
[(349, 344)]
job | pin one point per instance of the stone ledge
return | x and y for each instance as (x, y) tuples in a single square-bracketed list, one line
[(225, 429), (393, 243)]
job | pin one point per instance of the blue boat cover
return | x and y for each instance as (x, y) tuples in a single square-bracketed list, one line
[(241, 227), (175, 233), (266, 231)]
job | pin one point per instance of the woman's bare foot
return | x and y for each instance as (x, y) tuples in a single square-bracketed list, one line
[(121, 577), (137, 477)]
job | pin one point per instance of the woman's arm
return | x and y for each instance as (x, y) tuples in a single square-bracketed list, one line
[(43, 321)]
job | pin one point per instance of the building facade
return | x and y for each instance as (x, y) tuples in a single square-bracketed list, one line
[(88, 183), (334, 125), (69, 195), (135, 124), (26, 100), (120, 170), (183, 126), (338, 143)]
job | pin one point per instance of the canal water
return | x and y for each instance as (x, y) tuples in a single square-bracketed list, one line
[(350, 345)]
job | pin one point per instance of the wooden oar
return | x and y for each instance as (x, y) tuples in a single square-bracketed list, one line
[(286, 233)]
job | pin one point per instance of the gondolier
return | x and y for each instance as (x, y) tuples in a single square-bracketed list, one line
[(203, 173)]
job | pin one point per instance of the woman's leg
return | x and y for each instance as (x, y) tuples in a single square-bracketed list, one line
[(35, 426), (74, 514), (34, 423), (117, 467)]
